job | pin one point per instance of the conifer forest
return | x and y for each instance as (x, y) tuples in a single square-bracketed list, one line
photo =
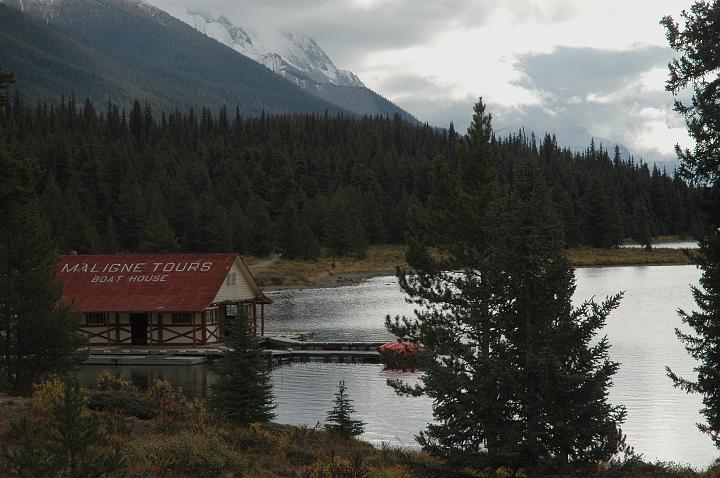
[(154, 181)]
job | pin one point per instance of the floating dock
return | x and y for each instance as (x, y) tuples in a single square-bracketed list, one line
[(289, 349), (143, 355), (279, 349)]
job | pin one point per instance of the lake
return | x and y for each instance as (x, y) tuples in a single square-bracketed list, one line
[(661, 420)]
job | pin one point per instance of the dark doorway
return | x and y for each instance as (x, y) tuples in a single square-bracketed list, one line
[(139, 328)]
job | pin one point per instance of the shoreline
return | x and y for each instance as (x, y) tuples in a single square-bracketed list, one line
[(333, 282), (279, 274)]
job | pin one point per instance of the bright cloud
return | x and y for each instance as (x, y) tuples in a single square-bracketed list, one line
[(548, 64)]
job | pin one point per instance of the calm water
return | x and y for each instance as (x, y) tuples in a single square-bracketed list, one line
[(660, 421)]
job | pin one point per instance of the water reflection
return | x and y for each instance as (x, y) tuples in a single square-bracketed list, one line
[(661, 420), (304, 393), (194, 380)]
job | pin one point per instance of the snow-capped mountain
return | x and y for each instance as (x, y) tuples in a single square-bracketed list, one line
[(51, 9), (127, 50), (295, 57), (44, 8)]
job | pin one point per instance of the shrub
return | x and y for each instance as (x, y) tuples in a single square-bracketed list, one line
[(299, 456), (122, 402), (395, 471), (197, 415), (197, 454), (68, 442), (169, 399), (47, 394), (254, 436), (107, 381), (337, 468)]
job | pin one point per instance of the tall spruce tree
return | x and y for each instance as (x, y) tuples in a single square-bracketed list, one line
[(515, 373), (696, 70), (242, 392), (37, 336)]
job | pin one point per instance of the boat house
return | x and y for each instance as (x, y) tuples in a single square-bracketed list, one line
[(160, 299)]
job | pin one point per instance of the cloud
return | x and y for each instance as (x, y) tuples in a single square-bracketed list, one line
[(573, 72), (607, 93), (349, 29), (569, 66)]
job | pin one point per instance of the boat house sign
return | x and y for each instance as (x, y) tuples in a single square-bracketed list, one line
[(114, 273)]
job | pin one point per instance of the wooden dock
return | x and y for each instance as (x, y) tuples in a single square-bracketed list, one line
[(278, 357), (279, 350), (287, 349)]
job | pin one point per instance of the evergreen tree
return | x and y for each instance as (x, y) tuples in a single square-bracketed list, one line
[(242, 392), (7, 78), (602, 222), (111, 242), (130, 211), (514, 372), (215, 230), (339, 226), (641, 224), (157, 234), (67, 445), (358, 241), (339, 419), (221, 188), (288, 228), (259, 232), (39, 337), (305, 240), (696, 70)]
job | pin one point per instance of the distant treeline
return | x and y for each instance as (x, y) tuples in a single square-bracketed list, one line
[(202, 181)]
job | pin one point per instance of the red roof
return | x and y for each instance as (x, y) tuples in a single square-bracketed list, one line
[(143, 282)]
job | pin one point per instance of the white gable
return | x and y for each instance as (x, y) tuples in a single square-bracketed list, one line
[(235, 287)]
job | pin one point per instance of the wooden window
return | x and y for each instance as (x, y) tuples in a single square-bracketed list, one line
[(248, 310), (211, 316), (181, 318), (230, 279), (96, 318), (231, 310)]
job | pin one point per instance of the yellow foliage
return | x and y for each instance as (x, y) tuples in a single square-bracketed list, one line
[(47, 394), (107, 381), (504, 472)]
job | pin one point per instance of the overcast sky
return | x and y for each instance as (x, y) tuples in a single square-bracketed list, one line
[(548, 65)]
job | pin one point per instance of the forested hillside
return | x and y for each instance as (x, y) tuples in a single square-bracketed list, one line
[(212, 181), (105, 49)]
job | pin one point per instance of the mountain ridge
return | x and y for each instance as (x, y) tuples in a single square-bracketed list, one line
[(99, 49), (107, 59), (297, 58)]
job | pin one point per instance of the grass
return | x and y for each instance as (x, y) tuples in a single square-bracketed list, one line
[(586, 256), (327, 270), (383, 259), (183, 439)]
